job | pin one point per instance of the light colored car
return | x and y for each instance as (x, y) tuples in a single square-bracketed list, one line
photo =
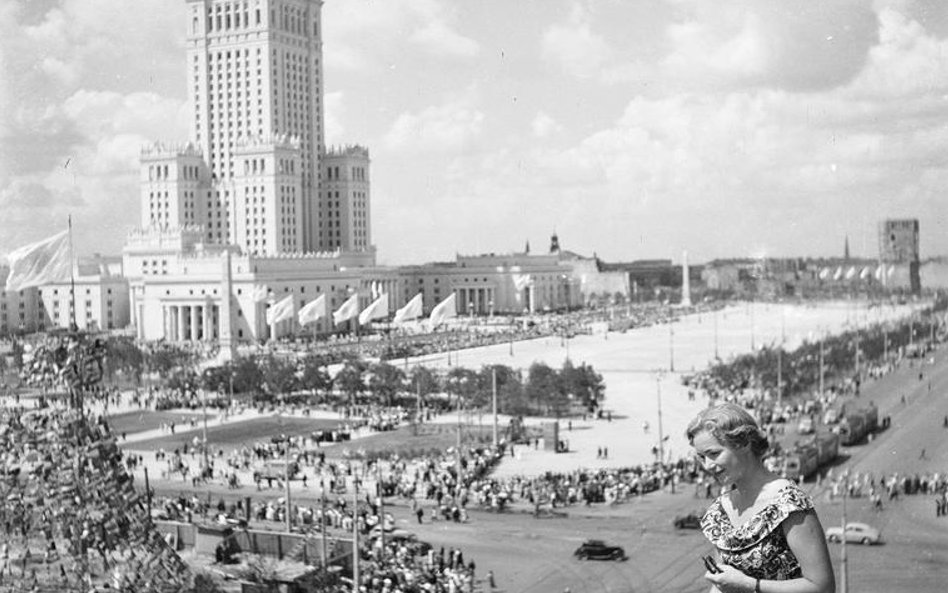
[(860, 533), (806, 426)]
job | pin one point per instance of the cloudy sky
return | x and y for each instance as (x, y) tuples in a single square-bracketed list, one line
[(632, 128)]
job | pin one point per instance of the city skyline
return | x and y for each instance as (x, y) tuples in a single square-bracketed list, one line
[(632, 130)]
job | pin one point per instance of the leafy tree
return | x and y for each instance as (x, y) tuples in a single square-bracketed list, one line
[(351, 379), (462, 383), (279, 376), (422, 381), (248, 377), (510, 394), (583, 383), (217, 378), (184, 380), (542, 383), (385, 381), (122, 355), (167, 358), (313, 374)]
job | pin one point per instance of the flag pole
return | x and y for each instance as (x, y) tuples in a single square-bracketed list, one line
[(72, 282)]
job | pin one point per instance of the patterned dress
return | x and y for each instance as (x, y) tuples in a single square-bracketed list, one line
[(758, 547)]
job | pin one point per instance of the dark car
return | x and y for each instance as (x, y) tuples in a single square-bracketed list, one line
[(689, 521), (596, 549)]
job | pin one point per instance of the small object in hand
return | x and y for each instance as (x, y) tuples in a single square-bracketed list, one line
[(711, 565)]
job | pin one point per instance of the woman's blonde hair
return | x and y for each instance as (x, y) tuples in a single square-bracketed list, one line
[(731, 425)]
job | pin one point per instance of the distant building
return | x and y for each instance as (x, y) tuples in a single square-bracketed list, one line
[(177, 286), (256, 172), (101, 301), (899, 246)]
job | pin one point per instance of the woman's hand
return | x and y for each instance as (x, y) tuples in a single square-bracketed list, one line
[(731, 580)]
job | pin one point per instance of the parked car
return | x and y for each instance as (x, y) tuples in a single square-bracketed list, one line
[(596, 549), (806, 426), (855, 532), (690, 521)]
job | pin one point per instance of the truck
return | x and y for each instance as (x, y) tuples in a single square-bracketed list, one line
[(808, 457), (275, 469), (856, 425)]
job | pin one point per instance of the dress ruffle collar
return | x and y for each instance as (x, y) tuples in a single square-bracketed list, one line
[(717, 526)]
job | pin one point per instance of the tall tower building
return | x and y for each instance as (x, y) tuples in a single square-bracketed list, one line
[(256, 172), (898, 244), (255, 84), (345, 205)]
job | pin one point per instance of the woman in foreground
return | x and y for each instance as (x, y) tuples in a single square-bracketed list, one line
[(765, 530)]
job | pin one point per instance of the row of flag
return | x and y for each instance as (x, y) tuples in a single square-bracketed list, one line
[(316, 309), (853, 271)]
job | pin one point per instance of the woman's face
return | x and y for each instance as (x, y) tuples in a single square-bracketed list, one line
[(722, 462)]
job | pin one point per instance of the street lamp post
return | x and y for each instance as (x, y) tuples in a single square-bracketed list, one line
[(289, 514), (716, 334), (355, 534), (752, 325), (661, 438)]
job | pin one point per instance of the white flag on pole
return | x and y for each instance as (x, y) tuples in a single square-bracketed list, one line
[(377, 310), (521, 281), (314, 310), (444, 311), (40, 263), (280, 311), (259, 293), (412, 310), (348, 310)]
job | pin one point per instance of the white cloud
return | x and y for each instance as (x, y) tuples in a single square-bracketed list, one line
[(441, 128), (430, 25), (335, 112), (544, 126), (575, 47), (438, 38)]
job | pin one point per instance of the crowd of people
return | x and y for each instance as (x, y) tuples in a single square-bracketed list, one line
[(71, 519)]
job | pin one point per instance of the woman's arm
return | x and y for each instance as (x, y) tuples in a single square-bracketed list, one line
[(807, 541)]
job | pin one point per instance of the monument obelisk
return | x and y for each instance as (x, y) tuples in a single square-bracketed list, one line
[(685, 281)]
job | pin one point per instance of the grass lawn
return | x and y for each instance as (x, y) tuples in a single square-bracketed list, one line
[(132, 422), (238, 434), (407, 442)]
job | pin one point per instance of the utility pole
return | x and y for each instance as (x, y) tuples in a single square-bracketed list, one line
[(378, 467), (661, 438), (355, 534), (716, 334), (322, 524), (457, 452), (286, 471), (780, 374), (752, 325), (671, 346), (843, 563), (821, 365), (494, 403)]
